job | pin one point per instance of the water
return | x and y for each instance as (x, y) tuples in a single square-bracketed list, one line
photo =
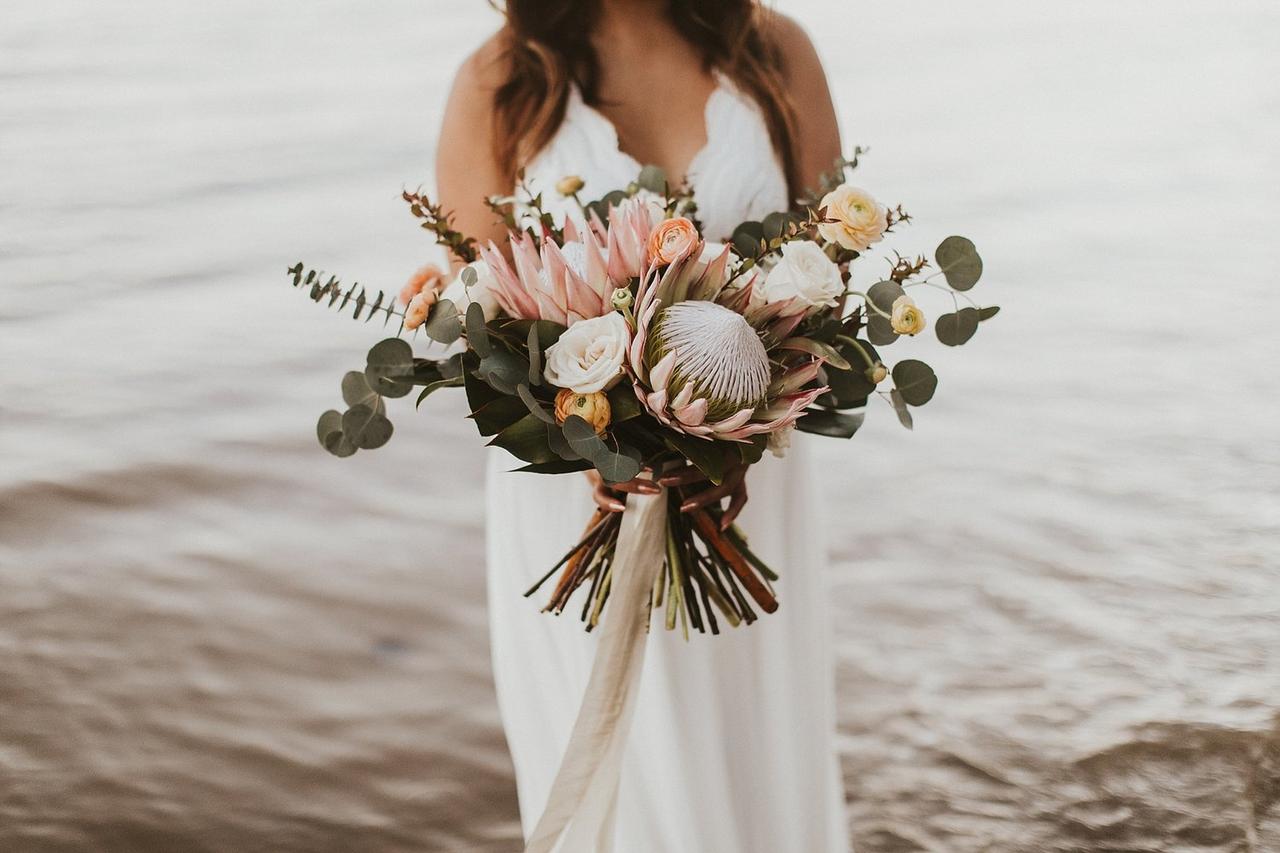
[(1056, 602)]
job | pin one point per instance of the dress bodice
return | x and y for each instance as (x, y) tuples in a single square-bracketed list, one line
[(736, 176)]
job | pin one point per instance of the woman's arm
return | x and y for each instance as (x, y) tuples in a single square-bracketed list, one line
[(466, 171), (817, 130)]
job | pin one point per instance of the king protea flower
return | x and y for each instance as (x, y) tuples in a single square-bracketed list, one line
[(701, 368), (546, 281)]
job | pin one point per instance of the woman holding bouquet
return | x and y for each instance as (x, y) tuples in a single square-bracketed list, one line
[(732, 746)]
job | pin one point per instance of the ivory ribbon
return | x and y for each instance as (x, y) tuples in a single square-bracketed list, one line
[(582, 805)]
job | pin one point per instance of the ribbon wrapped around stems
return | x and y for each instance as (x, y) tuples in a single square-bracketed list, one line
[(581, 808)]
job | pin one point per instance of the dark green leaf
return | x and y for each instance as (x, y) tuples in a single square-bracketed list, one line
[(959, 261), (535, 407), (747, 237), (653, 179), (443, 326), (526, 439), (900, 406), (707, 456), (558, 466), (775, 225), (956, 329), (392, 352), (882, 295), (829, 423), (503, 370), (388, 380), (623, 403), (535, 357), (477, 334), (434, 387), (339, 445), (330, 423), (365, 428), (817, 349), (988, 312), (915, 381)]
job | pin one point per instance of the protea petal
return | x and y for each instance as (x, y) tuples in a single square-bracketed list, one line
[(660, 375), (693, 414)]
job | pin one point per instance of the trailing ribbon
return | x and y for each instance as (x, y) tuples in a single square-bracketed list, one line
[(582, 805)]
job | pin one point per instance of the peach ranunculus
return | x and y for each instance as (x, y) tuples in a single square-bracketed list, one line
[(672, 240), (855, 220), (419, 308), (592, 408), (428, 278)]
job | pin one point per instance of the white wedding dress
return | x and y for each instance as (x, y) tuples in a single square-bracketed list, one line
[(732, 746)]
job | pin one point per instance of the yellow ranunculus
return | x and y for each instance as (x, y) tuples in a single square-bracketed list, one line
[(569, 185), (907, 318), (592, 408)]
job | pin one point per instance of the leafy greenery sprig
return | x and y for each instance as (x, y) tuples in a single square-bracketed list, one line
[(440, 223), (338, 297)]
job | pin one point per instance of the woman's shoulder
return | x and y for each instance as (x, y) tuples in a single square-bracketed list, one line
[(484, 69), (799, 57)]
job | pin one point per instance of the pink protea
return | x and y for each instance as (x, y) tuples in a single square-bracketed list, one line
[(546, 281), (701, 368)]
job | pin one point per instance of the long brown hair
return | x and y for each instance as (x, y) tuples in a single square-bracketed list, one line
[(547, 49)]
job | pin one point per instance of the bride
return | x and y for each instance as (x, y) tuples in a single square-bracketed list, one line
[(732, 746)]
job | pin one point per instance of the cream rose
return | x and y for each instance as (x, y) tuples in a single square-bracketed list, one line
[(483, 291), (858, 220), (589, 356), (805, 276), (906, 318), (780, 441)]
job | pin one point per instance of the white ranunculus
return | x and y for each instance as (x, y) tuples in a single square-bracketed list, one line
[(805, 274), (589, 355), (482, 291)]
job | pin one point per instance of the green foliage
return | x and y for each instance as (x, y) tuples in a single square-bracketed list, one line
[(900, 406), (829, 423), (526, 439), (334, 295), (914, 381), (435, 220), (653, 179), (366, 428), (614, 466), (623, 404), (709, 457), (959, 261), (957, 328), (443, 325), (817, 349), (881, 297)]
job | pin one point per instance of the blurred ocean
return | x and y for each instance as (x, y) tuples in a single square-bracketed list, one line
[(1057, 603)]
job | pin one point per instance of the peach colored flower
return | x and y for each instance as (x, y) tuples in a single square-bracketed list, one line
[(592, 408), (419, 308), (430, 277), (672, 240), (855, 220)]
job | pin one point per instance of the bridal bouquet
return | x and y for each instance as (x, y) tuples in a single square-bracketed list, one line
[(625, 342)]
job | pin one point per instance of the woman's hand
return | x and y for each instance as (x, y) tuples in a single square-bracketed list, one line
[(734, 487), (610, 497)]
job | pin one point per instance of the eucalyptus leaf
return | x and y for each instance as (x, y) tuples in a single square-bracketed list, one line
[(339, 445), (775, 225), (469, 277), (535, 407), (959, 262), (988, 312), (747, 238), (365, 428), (434, 387), (392, 352), (583, 439), (535, 357), (477, 334), (389, 380), (330, 423), (560, 445), (653, 179), (503, 370), (617, 467), (915, 381), (879, 330), (900, 406), (957, 328), (443, 326), (882, 295)]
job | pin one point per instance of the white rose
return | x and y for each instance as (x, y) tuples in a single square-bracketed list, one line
[(589, 356), (805, 274), (858, 219), (482, 291)]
